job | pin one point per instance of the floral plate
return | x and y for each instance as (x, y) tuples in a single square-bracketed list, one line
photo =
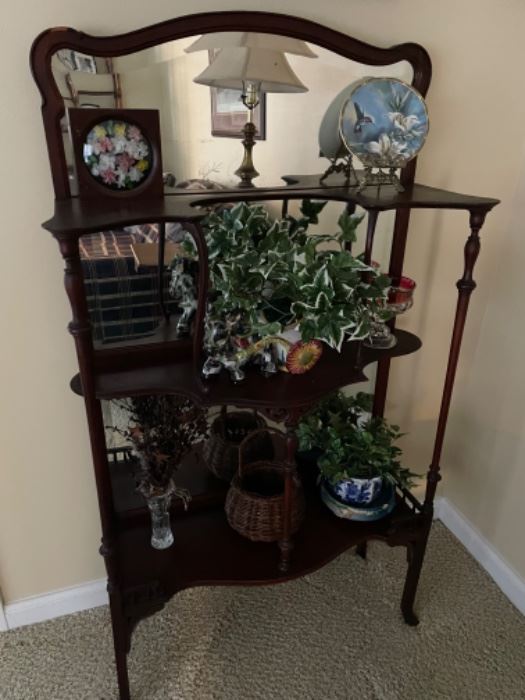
[(383, 122), (117, 154)]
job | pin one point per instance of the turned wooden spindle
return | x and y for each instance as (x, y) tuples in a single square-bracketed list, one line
[(466, 286), (286, 543)]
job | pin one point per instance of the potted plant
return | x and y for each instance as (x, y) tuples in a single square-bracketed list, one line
[(358, 459), (271, 283), (161, 430)]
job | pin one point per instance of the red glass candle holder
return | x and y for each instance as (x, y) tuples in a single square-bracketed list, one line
[(401, 296)]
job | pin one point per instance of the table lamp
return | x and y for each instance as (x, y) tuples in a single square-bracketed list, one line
[(253, 63)]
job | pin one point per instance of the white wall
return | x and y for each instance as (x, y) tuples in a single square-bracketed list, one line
[(48, 519)]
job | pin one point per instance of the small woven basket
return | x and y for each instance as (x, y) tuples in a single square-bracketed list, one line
[(255, 501), (228, 430)]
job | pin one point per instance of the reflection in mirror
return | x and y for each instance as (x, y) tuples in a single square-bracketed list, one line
[(163, 78), (130, 297), (121, 267)]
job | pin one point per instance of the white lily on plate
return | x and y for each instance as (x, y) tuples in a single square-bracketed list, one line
[(404, 123), (385, 147)]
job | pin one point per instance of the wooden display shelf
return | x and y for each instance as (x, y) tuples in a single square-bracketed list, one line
[(334, 370), (75, 216), (207, 551)]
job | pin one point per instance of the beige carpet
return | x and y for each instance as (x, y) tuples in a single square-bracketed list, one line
[(334, 635)]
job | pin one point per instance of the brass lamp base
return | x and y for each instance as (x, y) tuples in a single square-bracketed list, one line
[(246, 171)]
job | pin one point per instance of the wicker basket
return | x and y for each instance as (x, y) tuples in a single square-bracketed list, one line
[(228, 430), (255, 501)]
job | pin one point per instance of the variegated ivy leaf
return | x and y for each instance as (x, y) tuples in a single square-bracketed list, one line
[(348, 224), (311, 210)]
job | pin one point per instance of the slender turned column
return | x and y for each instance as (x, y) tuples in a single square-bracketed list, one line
[(286, 544), (80, 329), (350, 209), (202, 296), (416, 548), (370, 233), (397, 257), (160, 271), (466, 286)]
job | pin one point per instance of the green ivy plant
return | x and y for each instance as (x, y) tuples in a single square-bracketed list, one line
[(351, 443), (274, 274)]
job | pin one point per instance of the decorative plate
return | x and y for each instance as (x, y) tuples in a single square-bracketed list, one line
[(330, 142), (383, 122), (117, 154), (379, 508)]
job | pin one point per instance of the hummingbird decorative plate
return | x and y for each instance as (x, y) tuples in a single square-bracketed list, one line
[(383, 122)]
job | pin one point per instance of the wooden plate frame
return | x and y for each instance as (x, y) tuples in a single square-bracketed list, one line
[(83, 120)]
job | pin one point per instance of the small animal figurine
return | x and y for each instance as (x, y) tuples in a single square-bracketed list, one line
[(362, 119), (182, 289), (219, 343)]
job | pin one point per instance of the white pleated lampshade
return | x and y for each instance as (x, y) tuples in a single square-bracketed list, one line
[(233, 67), (251, 40)]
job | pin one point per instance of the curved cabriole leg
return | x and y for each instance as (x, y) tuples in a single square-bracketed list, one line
[(415, 555), (121, 643)]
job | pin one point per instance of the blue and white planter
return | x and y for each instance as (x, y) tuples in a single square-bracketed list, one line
[(357, 492), (381, 507)]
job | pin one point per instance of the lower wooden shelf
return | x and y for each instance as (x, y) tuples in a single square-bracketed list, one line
[(207, 551)]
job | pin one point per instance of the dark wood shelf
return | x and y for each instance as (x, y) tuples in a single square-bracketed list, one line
[(77, 216), (207, 551), (334, 370)]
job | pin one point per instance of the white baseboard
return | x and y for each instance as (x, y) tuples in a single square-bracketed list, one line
[(501, 572), (3, 619), (93, 594), (38, 608)]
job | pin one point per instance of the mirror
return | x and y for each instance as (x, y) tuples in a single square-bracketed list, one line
[(200, 132), (201, 125)]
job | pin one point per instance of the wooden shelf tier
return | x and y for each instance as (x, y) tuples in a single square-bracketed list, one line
[(75, 216), (208, 551), (334, 370)]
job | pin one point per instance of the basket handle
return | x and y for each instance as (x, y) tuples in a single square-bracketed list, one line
[(267, 429), (224, 414)]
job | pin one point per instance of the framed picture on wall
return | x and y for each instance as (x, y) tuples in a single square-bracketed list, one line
[(76, 61), (229, 115)]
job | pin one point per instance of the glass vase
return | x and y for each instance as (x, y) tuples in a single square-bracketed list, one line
[(159, 508)]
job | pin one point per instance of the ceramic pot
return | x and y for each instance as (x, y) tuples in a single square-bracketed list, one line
[(380, 508), (358, 492)]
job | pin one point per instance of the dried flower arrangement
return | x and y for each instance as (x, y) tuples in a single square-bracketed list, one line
[(161, 430)]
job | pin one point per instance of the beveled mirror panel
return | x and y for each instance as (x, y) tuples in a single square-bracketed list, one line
[(201, 123)]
